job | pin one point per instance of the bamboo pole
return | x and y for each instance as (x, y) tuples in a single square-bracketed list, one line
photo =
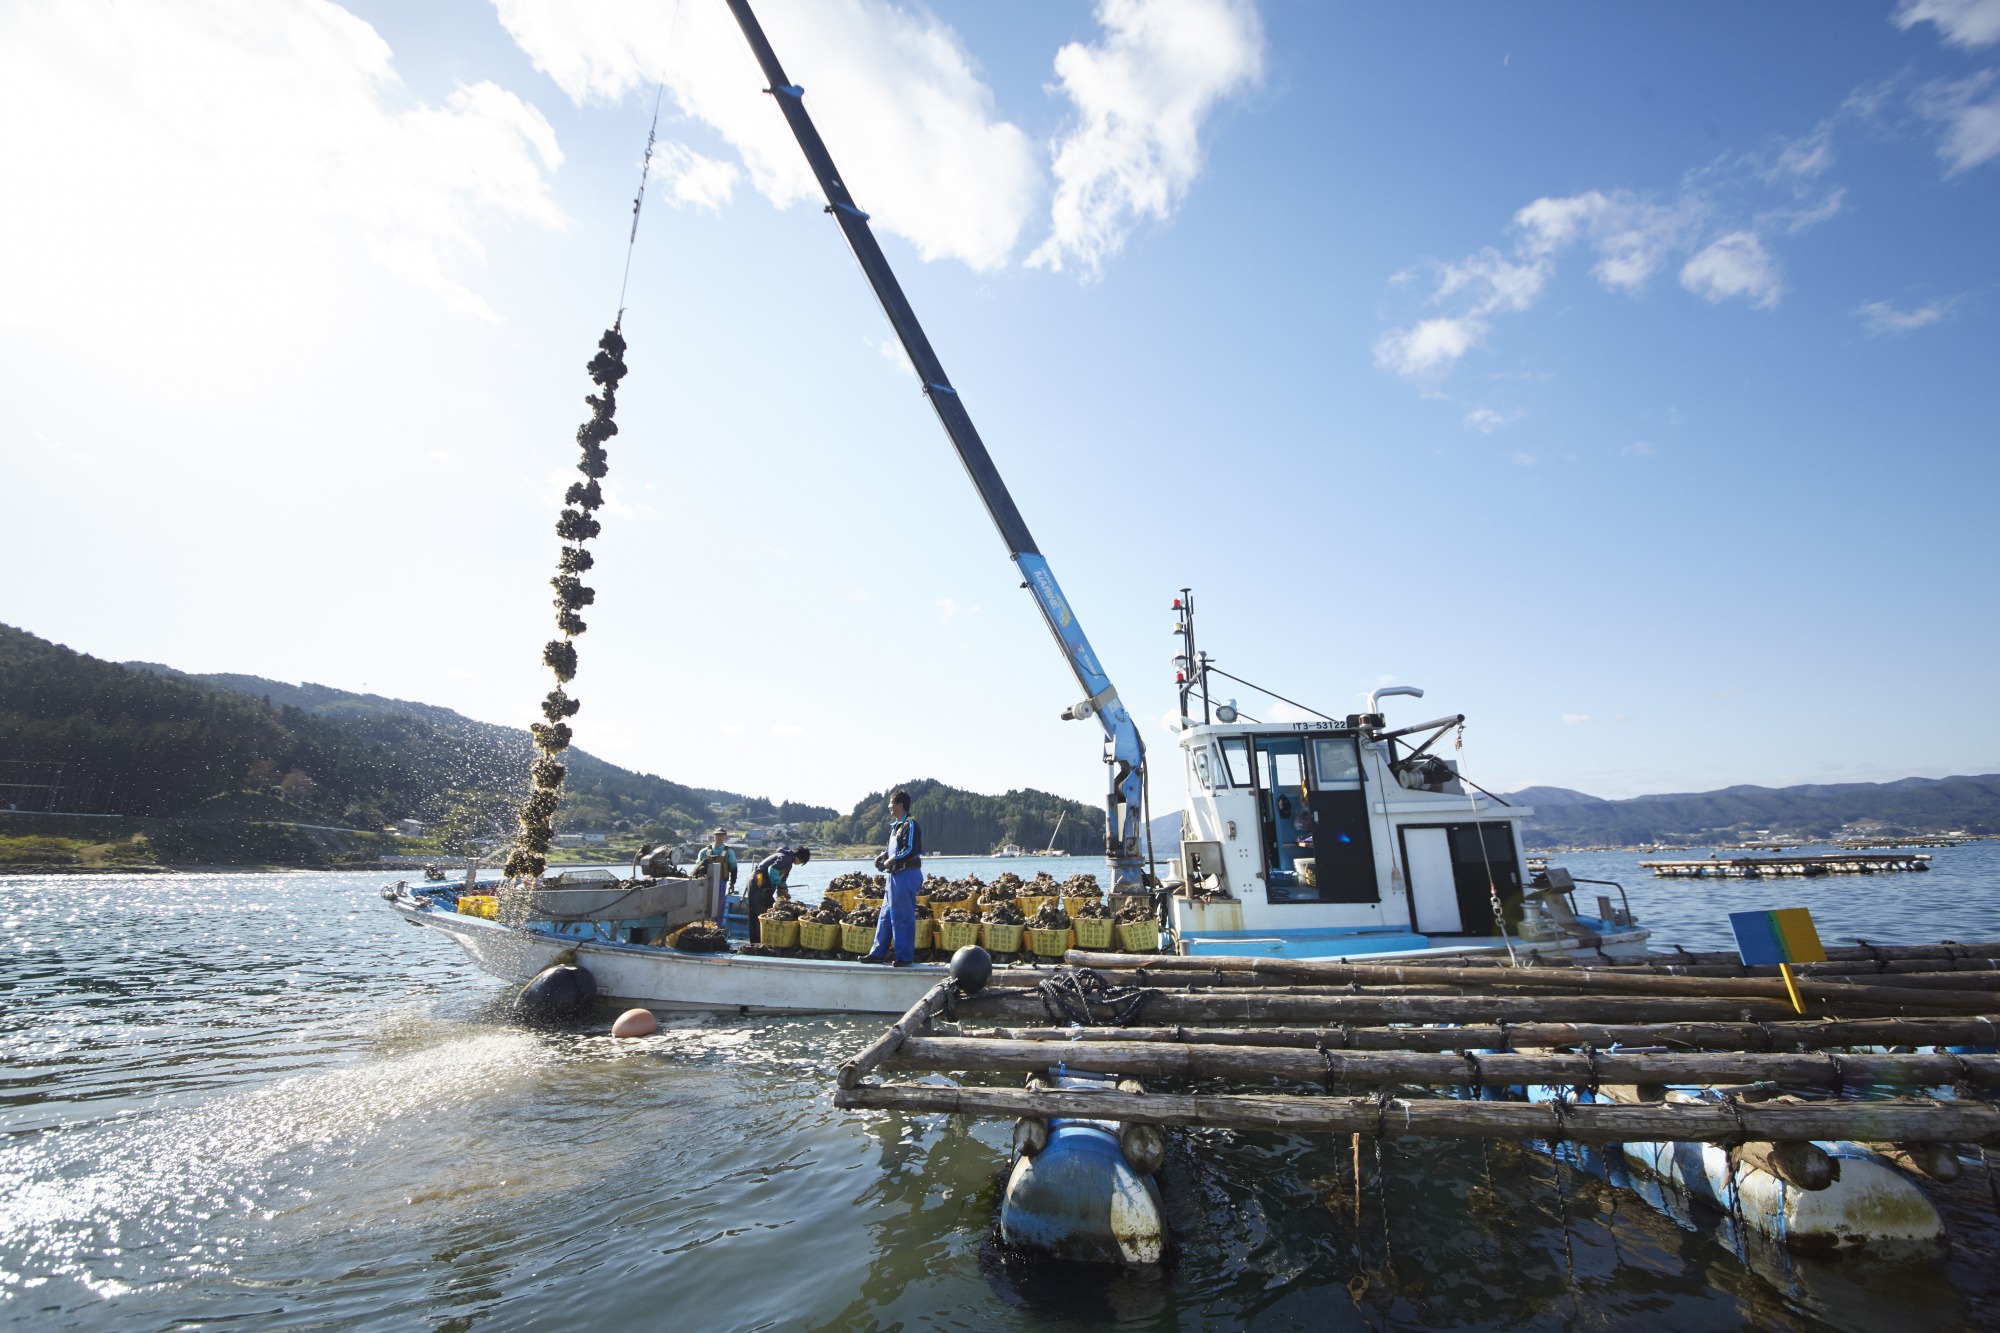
[(1945, 950), (914, 1020), (1154, 1059), (1166, 1006), (1594, 980), (1888, 971), (1778, 1122), (1812, 1034)]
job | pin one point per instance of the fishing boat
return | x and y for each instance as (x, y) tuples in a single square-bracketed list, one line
[(1341, 837), (654, 976)]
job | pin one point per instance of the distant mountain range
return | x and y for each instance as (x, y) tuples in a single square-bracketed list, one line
[(1734, 814), (222, 767)]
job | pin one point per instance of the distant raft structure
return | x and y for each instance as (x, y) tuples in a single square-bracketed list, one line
[(1815, 1129), (1754, 867)]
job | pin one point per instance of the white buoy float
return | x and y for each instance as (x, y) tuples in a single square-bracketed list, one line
[(635, 1023)]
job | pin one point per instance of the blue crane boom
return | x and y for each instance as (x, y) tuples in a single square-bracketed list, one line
[(1124, 752)]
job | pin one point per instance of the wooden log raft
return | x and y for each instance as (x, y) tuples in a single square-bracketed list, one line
[(1777, 1122), (914, 1020), (1945, 951), (1811, 1034), (1168, 1006), (1152, 1059), (1592, 980)]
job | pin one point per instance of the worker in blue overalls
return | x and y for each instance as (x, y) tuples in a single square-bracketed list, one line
[(904, 862)]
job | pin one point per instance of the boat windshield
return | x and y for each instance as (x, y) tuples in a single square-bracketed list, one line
[(1236, 752)]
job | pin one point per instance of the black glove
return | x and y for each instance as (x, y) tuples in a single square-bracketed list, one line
[(881, 860)]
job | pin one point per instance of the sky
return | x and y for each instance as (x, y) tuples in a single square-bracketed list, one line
[(1624, 376)]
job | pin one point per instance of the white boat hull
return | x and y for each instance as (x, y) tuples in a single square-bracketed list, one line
[(667, 979)]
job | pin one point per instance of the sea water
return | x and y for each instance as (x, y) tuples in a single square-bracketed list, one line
[(263, 1101)]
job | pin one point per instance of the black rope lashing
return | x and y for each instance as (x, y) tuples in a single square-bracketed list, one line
[(1562, 1197), (1073, 995)]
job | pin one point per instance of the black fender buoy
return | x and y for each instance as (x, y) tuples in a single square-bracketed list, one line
[(560, 994), (971, 968)]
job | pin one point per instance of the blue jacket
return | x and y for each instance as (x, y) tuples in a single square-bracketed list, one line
[(906, 845)]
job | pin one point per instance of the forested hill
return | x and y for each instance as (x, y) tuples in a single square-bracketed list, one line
[(1735, 814), (148, 741), (955, 821)]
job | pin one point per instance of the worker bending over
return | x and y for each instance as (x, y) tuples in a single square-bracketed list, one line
[(904, 862), (768, 879)]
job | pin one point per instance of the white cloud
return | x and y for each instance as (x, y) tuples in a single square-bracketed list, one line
[(1630, 235), (1734, 265), (1804, 157), (1881, 317), (1966, 23), (690, 178), (894, 94), (1796, 220), (193, 163), (1970, 119), (1522, 459), (788, 730), (1577, 719), (1141, 94), (1428, 349), (1494, 282), (947, 608), (1485, 420), (1638, 449)]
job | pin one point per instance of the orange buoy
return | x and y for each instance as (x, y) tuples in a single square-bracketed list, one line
[(635, 1023)]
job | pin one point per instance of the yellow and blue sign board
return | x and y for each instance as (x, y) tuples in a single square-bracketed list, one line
[(1784, 936)]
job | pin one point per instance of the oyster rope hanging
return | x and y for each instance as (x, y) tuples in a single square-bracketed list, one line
[(576, 525)]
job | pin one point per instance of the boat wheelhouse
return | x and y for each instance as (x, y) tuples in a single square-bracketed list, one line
[(1331, 838), (1322, 838)]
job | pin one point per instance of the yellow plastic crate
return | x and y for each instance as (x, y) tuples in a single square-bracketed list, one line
[(1094, 932), (1000, 939), (1139, 936), (956, 935), (1049, 943), (857, 939), (483, 905), (779, 932), (819, 936)]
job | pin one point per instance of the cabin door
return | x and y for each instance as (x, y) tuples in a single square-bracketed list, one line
[(1433, 883)]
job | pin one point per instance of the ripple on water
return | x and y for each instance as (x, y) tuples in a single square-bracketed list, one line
[(264, 1099)]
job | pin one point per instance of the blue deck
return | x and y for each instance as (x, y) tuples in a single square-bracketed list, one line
[(1326, 942)]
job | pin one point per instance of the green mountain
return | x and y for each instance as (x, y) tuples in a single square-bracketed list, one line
[(1734, 814), (222, 763), (958, 821)]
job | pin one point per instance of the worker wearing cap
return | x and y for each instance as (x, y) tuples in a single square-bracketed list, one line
[(903, 859), (768, 879), (718, 852)]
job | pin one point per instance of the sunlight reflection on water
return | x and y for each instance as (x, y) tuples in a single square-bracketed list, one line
[(263, 1098)]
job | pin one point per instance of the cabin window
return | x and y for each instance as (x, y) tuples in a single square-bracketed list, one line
[(1236, 751), (1337, 761), (1201, 768)]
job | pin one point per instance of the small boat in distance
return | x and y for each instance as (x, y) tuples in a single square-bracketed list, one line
[(1012, 849)]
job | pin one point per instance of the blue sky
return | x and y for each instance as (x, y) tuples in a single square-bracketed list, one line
[(1625, 376)]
